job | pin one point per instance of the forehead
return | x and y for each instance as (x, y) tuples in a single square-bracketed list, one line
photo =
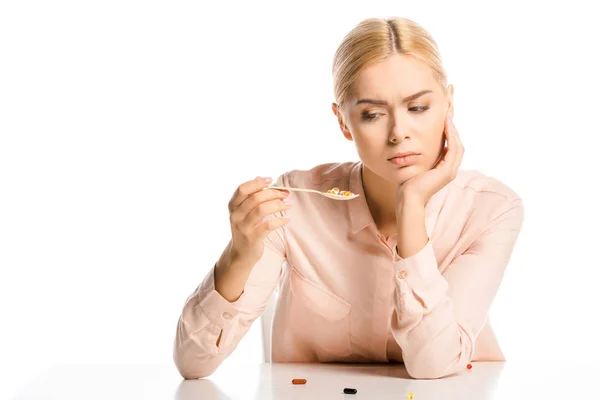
[(398, 76)]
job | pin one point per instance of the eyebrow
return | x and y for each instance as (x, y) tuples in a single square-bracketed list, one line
[(385, 103)]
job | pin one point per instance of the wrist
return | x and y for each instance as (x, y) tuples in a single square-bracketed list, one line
[(230, 279), (410, 225), (232, 262), (408, 200)]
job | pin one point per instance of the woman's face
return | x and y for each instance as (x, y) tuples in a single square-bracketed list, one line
[(396, 106)]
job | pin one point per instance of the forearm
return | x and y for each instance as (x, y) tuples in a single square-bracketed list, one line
[(210, 326), (438, 316), (431, 339), (434, 344), (410, 225), (230, 276), (205, 331)]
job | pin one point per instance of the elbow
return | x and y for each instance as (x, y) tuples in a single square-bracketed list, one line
[(191, 375), (189, 370), (443, 356), (192, 365), (191, 359), (426, 371), (432, 364)]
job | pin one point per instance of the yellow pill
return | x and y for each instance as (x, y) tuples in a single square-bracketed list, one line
[(335, 190), (410, 396)]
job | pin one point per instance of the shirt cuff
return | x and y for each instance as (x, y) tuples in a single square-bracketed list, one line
[(215, 307), (420, 271), (208, 315)]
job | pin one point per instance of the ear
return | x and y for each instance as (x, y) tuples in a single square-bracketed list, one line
[(450, 99), (338, 113)]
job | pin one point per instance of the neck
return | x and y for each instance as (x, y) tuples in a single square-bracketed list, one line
[(380, 195)]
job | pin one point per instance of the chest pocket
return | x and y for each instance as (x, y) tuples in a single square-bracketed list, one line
[(323, 318)]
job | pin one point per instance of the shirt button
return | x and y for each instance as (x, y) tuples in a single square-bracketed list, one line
[(226, 315), (402, 274)]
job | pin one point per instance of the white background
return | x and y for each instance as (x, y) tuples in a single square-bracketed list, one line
[(126, 126)]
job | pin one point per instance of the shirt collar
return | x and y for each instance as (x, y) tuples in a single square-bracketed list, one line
[(360, 215)]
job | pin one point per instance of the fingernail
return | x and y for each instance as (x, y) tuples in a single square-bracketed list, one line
[(268, 180), (287, 200)]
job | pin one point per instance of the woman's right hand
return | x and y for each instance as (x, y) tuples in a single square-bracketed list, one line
[(248, 207)]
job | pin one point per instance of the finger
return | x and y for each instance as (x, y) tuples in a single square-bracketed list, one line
[(458, 148), (441, 159), (258, 213), (455, 133), (262, 196), (447, 126), (246, 189), (453, 152), (445, 156)]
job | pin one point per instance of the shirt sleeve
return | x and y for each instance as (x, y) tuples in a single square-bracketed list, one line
[(437, 317), (210, 327)]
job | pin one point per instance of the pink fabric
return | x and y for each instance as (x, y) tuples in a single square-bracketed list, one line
[(346, 295)]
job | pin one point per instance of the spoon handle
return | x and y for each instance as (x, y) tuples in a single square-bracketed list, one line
[(293, 189)]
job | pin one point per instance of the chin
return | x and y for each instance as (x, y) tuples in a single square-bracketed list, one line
[(401, 175)]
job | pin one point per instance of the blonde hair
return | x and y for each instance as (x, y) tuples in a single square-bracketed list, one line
[(375, 39)]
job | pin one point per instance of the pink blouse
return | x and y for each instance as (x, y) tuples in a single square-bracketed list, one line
[(346, 295)]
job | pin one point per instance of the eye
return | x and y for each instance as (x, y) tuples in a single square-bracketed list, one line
[(369, 116), (419, 109)]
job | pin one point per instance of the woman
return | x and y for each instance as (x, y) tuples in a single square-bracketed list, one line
[(406, 272)]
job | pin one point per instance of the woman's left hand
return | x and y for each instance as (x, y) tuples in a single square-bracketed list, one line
[(421, 187)]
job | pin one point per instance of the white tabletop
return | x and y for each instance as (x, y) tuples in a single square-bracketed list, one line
[(542, 380)]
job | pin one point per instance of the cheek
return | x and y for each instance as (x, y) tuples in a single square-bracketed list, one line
[(375, 146), (437, 136), (433, 145), (367, 136), (432, 140), (364, 144)]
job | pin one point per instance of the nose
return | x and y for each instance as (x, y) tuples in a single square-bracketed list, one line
[(396, 133)]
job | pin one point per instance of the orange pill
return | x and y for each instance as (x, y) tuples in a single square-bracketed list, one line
[(298, 381), (469, 366)]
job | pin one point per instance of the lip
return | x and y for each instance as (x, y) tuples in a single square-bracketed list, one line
[(405, 159), (403, 154)]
